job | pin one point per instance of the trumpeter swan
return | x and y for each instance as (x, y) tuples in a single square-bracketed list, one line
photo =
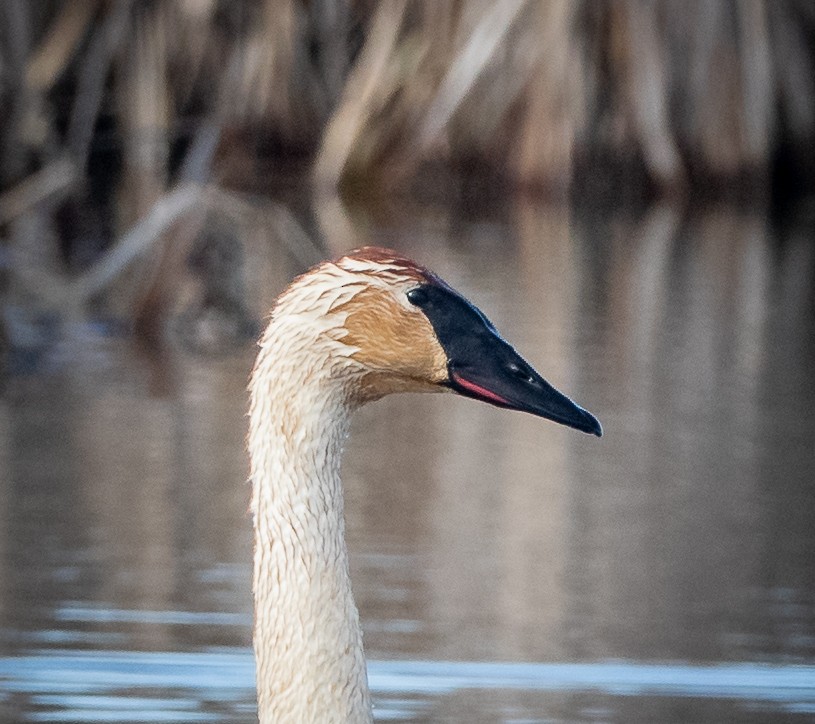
[(342, 334)]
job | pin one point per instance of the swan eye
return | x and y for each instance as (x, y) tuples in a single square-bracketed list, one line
[(417, 296)]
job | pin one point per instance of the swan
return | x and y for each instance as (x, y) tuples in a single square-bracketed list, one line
[(347, 332)]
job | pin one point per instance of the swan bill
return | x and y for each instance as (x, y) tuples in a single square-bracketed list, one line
[(482, 365)]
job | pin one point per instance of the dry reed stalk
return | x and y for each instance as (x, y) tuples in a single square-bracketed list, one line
[(272, 80), (358, 101), (137, 240), (91, 79), (469, 63), (792, 56), (64, 293), (338, 230), (51, 181), (60, 44), (331, 26), (193, 48), (144, 114), (716, 106), (268, 59), (552, 113), (15, 33), (408, 85), (287, 232), (758, 126), (645, 79)]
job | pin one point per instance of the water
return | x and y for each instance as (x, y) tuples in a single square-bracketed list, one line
[(214, 685), (506, 569)]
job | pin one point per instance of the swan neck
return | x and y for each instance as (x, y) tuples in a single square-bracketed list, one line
[(308, 641)]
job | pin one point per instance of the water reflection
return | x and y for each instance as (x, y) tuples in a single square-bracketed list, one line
[(684, 535), (213, 685)]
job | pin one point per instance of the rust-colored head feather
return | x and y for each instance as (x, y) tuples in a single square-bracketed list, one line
[(353, 317)]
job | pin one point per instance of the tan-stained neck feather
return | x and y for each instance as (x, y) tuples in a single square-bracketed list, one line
[(317, 363)]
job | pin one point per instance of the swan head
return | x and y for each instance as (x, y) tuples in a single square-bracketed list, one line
[(389, 325)]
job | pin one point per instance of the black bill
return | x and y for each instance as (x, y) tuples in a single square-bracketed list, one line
[(483, 366)]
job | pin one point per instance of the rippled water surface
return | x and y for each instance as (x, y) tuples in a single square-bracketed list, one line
[(506, 569)]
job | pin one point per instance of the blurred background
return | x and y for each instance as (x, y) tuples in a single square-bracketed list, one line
[(627, 188)]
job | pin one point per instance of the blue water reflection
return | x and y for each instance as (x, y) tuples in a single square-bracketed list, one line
[(169, 686)]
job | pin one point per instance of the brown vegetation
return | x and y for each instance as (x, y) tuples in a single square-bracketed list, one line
[(371, 91), (150, 109)]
